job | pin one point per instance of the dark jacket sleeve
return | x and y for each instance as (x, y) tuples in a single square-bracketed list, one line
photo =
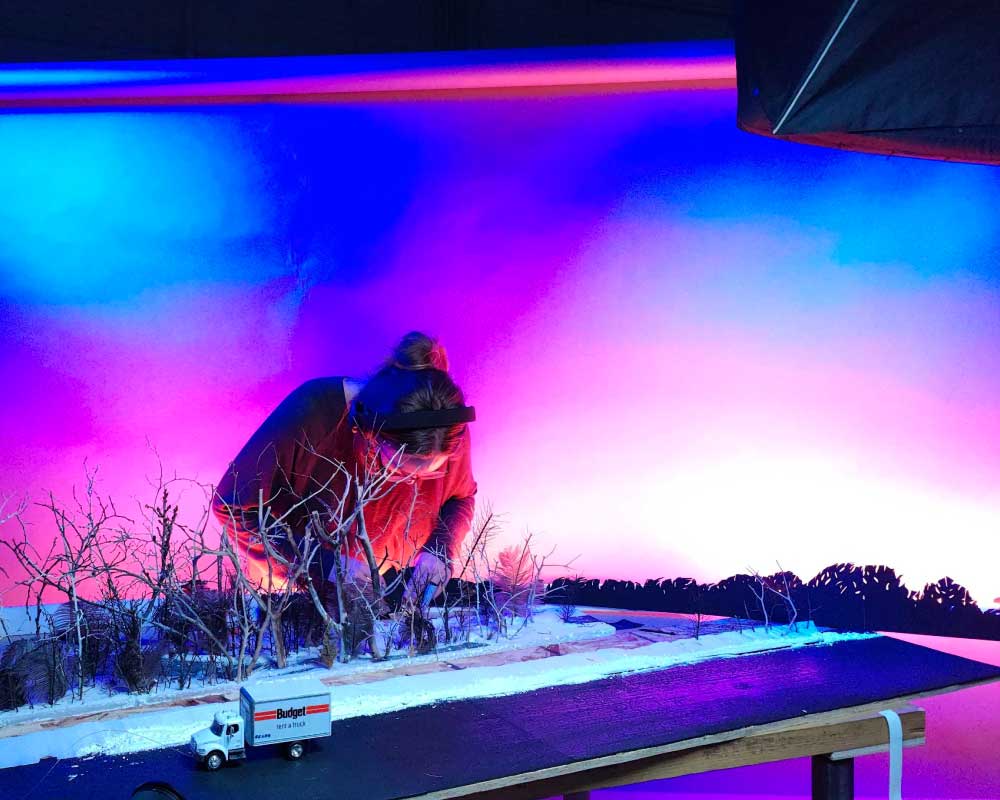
[(264, 463), (459, 508)]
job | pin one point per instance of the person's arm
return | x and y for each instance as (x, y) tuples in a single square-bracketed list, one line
[(263, 465)]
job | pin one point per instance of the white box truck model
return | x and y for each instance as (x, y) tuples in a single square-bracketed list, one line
[(279, 712)]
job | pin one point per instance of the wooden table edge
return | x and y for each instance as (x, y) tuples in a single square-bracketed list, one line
[(809, 721)]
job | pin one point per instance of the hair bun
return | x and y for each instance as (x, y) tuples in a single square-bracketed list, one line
[(417, 351)]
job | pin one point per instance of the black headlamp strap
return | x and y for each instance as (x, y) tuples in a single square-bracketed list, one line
[(414, 420)]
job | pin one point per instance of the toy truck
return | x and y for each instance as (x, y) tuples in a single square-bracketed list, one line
[(282, 712)]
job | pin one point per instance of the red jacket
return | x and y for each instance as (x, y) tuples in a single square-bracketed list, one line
[(287, 458)]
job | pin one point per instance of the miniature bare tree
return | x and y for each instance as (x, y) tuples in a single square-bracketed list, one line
[(294, 557), (508, 586), (329, 523), (70, 563), (567, 606), (259, 603), (154, 585), (248, 606), (698, 599), (11, 511), (516, 576), (369, 485), (759, 590), (361, 603), (475, 563), (13, 682), (334, 511), (784, 591), (778, 586)]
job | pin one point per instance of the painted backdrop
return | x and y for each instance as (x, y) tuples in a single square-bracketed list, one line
[(692, 351)]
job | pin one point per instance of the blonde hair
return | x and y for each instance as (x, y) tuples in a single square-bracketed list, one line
[(417, 351), (415, 378)]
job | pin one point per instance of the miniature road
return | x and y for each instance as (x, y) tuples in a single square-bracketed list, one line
[(420, 750)]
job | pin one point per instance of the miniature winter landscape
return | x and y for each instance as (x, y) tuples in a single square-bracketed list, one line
[(133, 633), (117, 725)]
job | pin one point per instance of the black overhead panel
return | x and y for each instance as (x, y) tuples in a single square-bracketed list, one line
[(903, 77), (59, 30)]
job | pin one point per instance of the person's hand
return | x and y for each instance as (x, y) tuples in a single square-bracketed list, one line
[(357, 576), (427, 569), (357, 586)]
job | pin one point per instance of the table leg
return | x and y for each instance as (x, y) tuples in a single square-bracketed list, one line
[(832, 780)]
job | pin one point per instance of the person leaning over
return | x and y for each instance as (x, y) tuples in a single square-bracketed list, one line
[(409, 419)]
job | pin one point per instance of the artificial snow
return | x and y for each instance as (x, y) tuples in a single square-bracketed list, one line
[(172, 727), (545, 628)]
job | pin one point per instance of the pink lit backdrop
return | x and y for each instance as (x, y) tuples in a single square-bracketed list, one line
[(692, 351)]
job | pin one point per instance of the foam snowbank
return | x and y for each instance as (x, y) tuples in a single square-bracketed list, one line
[(543, 629)]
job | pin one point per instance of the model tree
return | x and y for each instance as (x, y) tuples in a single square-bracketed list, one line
[(68, 567)]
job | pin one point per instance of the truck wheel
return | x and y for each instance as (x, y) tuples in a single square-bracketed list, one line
[(214, 760), (295, 750)]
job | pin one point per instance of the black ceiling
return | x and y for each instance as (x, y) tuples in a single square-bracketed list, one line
[(44, 30)]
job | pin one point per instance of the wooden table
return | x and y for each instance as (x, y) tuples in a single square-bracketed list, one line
[(814, 700), (833, 740)]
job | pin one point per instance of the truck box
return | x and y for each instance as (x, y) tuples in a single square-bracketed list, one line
[(285, 711)]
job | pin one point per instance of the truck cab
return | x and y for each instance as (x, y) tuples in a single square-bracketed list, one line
[(222, 741)]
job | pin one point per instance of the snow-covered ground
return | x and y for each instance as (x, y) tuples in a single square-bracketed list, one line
[(545, 628), (172, 727)]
